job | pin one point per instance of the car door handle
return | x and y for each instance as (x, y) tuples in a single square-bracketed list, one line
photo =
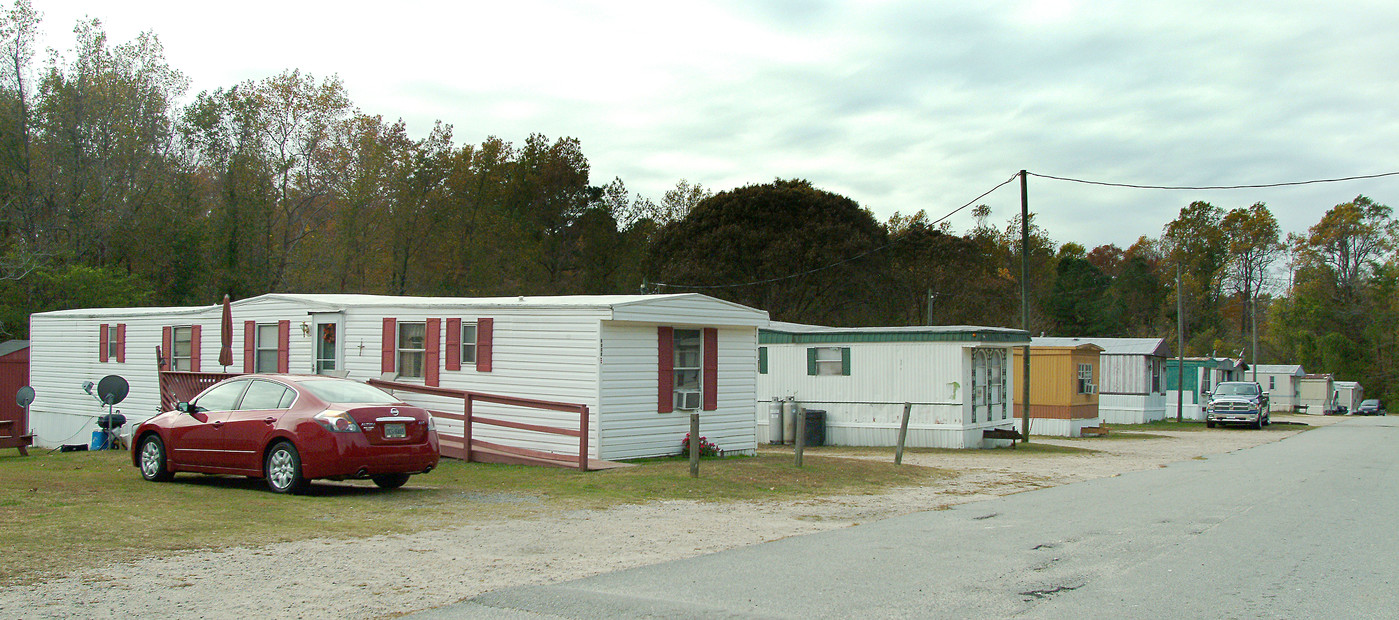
[(218, 424), (269, 419)]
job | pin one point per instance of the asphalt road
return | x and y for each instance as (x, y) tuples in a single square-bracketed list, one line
[(1301, 528)]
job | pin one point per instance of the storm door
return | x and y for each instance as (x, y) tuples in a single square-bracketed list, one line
[(327, 343)]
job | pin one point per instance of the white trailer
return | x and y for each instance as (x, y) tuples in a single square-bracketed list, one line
[(957, 379), (640, 363)]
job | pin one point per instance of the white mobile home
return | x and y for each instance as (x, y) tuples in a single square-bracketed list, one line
[(1282, 382), (1316, 394), (957, 379), (1131, 377), (1348, 394), (639, 362)]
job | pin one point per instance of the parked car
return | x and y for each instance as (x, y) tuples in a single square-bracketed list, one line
[(290, 429), (1369, 406), (1237, 402)]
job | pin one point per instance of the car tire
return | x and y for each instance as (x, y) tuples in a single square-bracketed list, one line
[(283, 469), (389, 481), (1258, 423), (1209, 424), (154, 466)]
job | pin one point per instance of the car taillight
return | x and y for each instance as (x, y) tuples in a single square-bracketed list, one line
[(337, 422)]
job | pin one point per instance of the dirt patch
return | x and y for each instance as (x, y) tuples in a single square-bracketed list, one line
[(393, 575)]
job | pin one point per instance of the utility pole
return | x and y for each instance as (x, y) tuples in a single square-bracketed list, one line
[(1180, 348), (1025, 306), (1253, 325)]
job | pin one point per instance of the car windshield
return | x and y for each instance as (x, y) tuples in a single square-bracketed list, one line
[(343, 391), (1236, 389), (1370, 403)]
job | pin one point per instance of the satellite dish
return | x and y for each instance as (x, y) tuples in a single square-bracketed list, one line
[(24, 396), (112, 389)]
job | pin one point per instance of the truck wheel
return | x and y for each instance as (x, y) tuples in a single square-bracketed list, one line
[(1209, 424)]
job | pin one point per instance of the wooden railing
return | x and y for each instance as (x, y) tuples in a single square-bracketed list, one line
[(181, 387), (469, 449)]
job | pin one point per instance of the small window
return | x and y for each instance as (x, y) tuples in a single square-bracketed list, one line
[(1085, 378), (412, 349), (266, 356), (1205, 382), (1272, 383), (468, 343), (221, 397), (1156, 372), (687, 369), (264, 395), (828, 361), (113, 345), (181, 357)]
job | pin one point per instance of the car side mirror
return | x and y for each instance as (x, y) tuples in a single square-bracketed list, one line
[(184, 408)]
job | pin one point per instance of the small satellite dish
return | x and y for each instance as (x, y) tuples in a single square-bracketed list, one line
[(112, 389), (24, 396)]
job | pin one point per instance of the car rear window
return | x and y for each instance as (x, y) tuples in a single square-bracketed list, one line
[(342, 391)]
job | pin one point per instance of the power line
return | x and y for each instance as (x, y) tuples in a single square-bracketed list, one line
[(839, 263), (1204, 187)]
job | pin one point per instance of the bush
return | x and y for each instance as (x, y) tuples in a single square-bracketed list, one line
[(705, 447)]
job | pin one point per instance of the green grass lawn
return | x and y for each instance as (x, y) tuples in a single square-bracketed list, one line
[(63, 511)]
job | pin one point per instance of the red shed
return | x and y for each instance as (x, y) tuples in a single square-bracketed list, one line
[(14, 374)]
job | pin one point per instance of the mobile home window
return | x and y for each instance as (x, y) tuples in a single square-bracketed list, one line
[(830, 361), (412, 349), (1156, 372), (181, 355), (687, 369), (468, 343), (112, 342), (1085, 378), (266, 355), (1272, 383)]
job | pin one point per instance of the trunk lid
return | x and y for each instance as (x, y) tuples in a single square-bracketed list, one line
[(391, 424)]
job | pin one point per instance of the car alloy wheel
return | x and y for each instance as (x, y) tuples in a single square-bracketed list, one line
[(284, 469), (153, 466)]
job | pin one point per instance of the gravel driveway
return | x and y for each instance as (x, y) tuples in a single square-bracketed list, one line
[(392, 575)]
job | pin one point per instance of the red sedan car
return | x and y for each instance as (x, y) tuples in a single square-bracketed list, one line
[(290, 429)]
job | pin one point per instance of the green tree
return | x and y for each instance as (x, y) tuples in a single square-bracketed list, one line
[(811, 254)]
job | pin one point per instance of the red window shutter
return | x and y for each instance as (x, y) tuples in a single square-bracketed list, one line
[(710, 380), (453, 351), (121, 343), (102, 343), (430, 356), (249, 346), (284, 346), (386, 362), (166, 355), (194, 347), (665, 367), (485, 344)]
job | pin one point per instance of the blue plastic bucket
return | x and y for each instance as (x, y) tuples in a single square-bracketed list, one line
[(99, 440)]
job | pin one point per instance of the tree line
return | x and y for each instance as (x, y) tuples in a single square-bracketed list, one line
[(119, 188)]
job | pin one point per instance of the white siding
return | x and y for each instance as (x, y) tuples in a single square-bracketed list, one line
[(632, 426), (553, 352), (866, 407), (64, 353)]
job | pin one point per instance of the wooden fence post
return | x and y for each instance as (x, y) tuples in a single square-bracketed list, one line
[(799, 442), (694, 445), (583, 438), (903, 434), (466, 430)]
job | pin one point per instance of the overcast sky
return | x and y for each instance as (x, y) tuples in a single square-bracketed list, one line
[(900, 106)]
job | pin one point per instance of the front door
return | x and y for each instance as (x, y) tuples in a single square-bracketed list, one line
[(326, 343)]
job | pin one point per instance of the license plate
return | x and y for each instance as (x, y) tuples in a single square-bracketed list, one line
[(395, 431)]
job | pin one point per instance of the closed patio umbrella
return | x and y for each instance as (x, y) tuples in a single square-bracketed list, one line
[(226, 335)]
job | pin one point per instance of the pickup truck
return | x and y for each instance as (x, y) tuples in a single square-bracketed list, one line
[(1237, 402)]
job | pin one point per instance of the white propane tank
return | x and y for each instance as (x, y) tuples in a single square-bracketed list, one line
[(775, 421), (789, 420)]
